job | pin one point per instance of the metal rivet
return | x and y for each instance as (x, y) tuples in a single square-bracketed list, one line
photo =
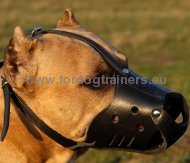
[(125, 70), (156, 113), (115, 119), (140, 128)]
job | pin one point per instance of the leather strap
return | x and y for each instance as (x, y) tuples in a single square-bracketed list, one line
[(26, 110), (7, 99), (116, 65), (9, 93)]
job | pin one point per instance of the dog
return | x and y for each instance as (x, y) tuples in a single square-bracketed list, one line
[(52, 120), (67, 108)]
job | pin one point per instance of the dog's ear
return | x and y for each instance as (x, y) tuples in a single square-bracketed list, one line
[(19, 63), (68, 20)]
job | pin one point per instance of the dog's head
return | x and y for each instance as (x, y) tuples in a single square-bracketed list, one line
[(61, 79), (51, 71)]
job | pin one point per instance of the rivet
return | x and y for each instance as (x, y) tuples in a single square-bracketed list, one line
[(140, 128), (156, 113), (115, 119), (125, 70)]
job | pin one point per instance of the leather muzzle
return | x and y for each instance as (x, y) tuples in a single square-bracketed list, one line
[(142, 118)]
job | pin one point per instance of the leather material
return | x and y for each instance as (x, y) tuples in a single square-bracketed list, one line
[(118, 66), (7, 99), (136, 127), (26, 110)]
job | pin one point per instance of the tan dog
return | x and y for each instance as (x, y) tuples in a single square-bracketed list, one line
[(69, 109)]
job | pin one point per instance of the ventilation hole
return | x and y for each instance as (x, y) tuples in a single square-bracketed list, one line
[(179, 119), (140, 128), (115, 119), (134, 110), (112, 140)]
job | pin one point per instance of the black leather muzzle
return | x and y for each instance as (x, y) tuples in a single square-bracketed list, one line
[(141, 118)]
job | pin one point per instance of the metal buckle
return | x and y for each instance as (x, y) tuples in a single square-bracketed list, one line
[(82, 144), (4, 81), (36, 29)]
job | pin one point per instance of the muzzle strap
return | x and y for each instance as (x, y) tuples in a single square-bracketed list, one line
[(25, 109), (7, 99)]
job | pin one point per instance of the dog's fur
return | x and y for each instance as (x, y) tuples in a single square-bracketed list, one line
[(69, 109)]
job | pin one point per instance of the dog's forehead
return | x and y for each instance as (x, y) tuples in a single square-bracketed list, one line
[(57, 44), (70, 55), (66, 47), (107, 46)]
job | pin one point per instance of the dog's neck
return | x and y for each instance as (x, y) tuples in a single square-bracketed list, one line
[(23, 131)]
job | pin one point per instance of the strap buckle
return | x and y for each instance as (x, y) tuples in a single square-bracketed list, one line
[(4, 81), (36, 29), (82, 145)]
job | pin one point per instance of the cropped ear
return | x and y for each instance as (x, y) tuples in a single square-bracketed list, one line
[(19, 63), (68, 20)]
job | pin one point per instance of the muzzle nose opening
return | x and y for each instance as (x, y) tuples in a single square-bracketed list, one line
[(174, 106)]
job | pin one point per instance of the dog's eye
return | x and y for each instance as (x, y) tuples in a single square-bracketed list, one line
[(96, 83)]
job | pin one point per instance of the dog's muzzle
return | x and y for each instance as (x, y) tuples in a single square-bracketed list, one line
[(142, 117)]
